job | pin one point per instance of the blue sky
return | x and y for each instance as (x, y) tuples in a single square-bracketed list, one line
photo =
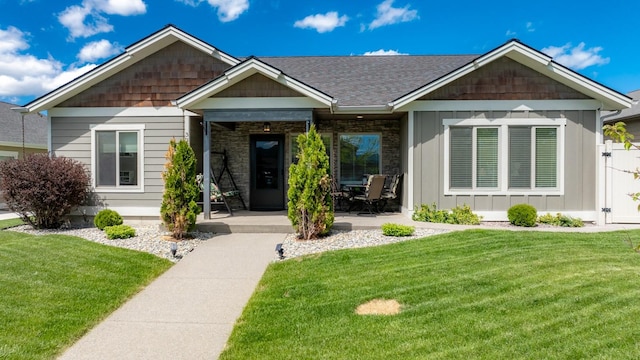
[(46, 43)]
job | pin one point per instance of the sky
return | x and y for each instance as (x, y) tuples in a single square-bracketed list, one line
[(46, 43)]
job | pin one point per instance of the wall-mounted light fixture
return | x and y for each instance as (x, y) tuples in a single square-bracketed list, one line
[(359, 116), (266, 127)]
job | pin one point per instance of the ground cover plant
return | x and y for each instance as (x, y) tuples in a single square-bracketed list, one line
[(55, 288), (477, 294)]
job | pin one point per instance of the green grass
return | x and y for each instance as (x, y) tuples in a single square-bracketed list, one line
[(54, 288), (9, 223), (478, 294)]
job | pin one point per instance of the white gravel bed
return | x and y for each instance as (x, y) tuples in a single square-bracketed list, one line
[(149, 238), (336, 240)]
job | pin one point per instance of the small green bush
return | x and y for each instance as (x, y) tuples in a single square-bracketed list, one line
[(461, 215), (119, 232), (107, 217), (560, 220), (522, 215), (390, 229)]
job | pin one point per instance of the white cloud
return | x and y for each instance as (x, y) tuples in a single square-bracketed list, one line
[(228, 10), (530, 27), (511, 33), (322, 22), (388, 15), (87, 19), (384, 52), (26, 75), (98, 50), (577, 57)]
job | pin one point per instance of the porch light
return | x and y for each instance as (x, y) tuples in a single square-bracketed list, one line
[(359, 116), (266, 127)]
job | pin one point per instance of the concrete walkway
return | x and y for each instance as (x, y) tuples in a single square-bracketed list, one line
[(189, 311)]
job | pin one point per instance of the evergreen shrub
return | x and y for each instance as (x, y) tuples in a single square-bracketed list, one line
[(310, 207), (119, 232), (522, 215), (179, 208), (390, 229), (107, 217)]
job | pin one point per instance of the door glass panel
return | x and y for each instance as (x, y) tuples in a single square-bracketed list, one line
[(267, 176), (106, 158)]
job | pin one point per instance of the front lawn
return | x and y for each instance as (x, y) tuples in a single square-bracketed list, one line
[(478, 294), (55, 288), (8, 223)]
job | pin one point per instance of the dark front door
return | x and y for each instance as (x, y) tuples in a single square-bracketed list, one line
[(267, 172)]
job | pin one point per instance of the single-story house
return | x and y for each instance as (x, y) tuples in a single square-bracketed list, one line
[(20, 134), (491, 130)]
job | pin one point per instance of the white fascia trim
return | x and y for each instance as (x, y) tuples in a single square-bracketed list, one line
[(75, 86), (243, 71), (119, 112), (502, 105), (122, 210), (184, 37), (258, 103), (505, 121), (362, 109), (410, 167)]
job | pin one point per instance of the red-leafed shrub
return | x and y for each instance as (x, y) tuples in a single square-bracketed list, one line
[(43, 190)]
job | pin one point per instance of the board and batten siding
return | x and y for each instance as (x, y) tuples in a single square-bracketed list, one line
[(71, 137), (580, 160)]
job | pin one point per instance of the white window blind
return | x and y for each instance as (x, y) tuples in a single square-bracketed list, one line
[(487, 157), (546, 157), (461, 150)]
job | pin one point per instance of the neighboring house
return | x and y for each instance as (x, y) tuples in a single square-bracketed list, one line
[(493, 130), (12, 141), (630, 116)]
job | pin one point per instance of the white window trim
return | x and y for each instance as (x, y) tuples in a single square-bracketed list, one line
[(359, 134), (503, 159), (118, 127)]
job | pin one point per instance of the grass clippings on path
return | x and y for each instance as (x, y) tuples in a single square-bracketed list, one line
[(478, 294)]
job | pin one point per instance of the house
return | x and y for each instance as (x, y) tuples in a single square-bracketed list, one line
[(630, 116), (16, 135), (492, 130)]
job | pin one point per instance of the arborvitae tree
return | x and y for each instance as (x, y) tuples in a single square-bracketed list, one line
[(310, 205), (179, 207)]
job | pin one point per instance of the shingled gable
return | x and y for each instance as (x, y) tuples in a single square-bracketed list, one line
[(251, 66), (536, 60), (132, 54)]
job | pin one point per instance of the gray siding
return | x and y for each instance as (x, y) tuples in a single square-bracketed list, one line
[(71, 137), (579, 171)]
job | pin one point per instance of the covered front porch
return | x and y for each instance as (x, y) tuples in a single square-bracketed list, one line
[(277, 222)]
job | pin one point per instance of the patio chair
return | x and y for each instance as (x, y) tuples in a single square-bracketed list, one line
[(340, 197), (391, 193), (372, 194)]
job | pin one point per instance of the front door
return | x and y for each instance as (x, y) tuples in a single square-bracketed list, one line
[(267, 172)]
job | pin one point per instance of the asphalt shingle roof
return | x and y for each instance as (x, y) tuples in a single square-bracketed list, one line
[(632, 112), (35, 126), (368, 80)]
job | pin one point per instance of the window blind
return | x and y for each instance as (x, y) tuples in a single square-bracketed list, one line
[(461, 157), (487, 157), (519, 157), (546, 157)]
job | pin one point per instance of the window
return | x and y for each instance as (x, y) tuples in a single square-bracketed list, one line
[(117, 157), (359, 156), (326, 140), (504, 156)]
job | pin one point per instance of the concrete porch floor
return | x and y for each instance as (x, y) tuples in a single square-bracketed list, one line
[(244, 221)]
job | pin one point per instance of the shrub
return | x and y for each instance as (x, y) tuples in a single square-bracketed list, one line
[(522, 215), (119, 232), (461, 215), (43, 190), (179, 208), (310, 205), (106, 218), (560, 220), (390, 229)]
